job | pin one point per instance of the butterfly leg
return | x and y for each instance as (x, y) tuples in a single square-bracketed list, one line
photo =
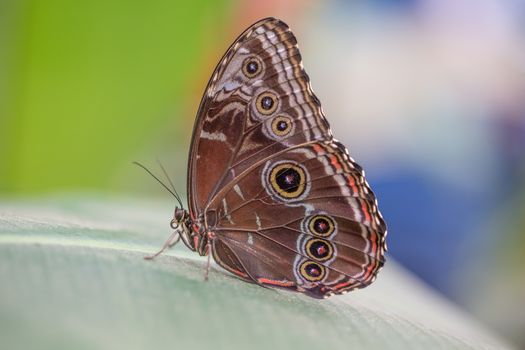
[(210, 237), (208, 264), (170, 242)]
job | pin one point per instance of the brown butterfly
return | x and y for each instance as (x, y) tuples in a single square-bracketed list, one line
[(273, 196)]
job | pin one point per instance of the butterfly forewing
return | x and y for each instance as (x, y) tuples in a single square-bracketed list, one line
[(286, 204), (234, 127)]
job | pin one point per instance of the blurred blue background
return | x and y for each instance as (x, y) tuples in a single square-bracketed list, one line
[(428, 95)]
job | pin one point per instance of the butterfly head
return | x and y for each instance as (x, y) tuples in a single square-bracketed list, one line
[(182, 223), (178, 218)]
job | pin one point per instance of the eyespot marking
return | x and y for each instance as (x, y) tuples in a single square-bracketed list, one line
[(252, 67), (266, 103), (312, 271), (319, 249), (288, 180), (321, 225), (281, 125)]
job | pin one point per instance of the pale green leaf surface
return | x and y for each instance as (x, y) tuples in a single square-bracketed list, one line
[(73, 277)]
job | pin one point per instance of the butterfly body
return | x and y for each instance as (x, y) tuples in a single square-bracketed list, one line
[(273, 197)]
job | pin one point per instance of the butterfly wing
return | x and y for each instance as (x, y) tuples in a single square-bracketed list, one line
[(233, 129), (311, 215), (288, 206)]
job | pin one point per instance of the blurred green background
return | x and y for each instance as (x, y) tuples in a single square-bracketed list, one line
[(87, 86), (427, 94)]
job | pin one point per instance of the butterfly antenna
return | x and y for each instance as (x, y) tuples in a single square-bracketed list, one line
[(156, 178), (177, 197)]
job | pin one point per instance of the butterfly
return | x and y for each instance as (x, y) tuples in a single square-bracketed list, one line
[(273, 197)]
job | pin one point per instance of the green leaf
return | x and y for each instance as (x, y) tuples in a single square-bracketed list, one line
[(73, 277)]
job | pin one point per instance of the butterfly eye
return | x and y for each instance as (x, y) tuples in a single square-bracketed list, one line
[(321, 225), (251, 67), (319, 249), (312, 271), (281, 125), (266, 103)]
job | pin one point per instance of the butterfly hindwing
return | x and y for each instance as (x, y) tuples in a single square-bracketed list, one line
[(283, 268), (325, 216)]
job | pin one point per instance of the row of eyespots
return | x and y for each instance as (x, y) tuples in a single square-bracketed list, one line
[(267, 102), (317, 249)]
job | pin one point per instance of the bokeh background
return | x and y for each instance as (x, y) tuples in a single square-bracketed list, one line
[(429, 96)]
